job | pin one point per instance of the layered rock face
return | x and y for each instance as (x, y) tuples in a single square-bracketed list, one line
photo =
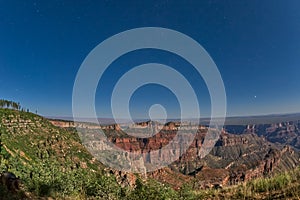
[(234, 157), (248, 156), (286, 133)]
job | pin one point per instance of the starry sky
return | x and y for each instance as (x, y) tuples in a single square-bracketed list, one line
[(255, 45)]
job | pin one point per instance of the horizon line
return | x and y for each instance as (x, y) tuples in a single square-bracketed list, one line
[(175, 118)]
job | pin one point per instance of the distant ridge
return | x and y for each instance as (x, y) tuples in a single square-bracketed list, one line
[(231, 120)]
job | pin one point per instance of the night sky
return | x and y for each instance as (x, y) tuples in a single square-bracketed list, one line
[(255, 45)]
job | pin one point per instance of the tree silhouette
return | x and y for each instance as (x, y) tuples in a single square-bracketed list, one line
[(9, 104)]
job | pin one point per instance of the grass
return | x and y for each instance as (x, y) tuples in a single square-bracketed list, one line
[(281, 186)]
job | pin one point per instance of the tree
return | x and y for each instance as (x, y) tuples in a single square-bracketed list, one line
[(9, 104)]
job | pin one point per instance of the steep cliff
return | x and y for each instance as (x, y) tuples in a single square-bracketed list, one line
[(286, 133)]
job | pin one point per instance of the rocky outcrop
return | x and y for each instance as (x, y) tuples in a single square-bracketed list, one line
[(62, 124), (10, 181), (123, 178)]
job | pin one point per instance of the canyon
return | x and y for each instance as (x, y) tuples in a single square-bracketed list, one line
[(240, 153)]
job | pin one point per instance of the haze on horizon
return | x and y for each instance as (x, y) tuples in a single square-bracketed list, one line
[(254, 44)]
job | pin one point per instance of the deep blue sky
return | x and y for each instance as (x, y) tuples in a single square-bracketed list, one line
[(255, 45)]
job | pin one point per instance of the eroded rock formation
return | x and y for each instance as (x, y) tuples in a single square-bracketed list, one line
[(234, 158)]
